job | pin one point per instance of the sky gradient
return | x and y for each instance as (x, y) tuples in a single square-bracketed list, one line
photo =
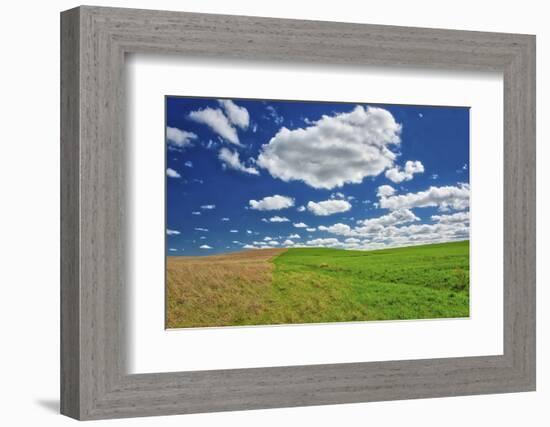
[(245, 174)]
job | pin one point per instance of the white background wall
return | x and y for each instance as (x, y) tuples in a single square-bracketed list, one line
[(29, 212)]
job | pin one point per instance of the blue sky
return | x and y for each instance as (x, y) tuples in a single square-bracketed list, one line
[(245, 174)]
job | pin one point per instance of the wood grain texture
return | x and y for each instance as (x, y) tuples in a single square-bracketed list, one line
[(70, 292), (94, 382)]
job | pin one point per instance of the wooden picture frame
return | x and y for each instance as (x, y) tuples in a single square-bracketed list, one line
[(94, 382)]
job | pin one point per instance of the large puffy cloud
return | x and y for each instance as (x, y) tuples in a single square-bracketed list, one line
[(272, 203), (328, 207), (179, 138), (231, 160), (217, 121), (398, 175), (237, 115), (339, 149), (445, 198)]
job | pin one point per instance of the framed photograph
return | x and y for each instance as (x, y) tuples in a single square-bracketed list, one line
[(262, 213), (324, 222)]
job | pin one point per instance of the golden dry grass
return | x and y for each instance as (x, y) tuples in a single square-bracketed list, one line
[(229, 288)]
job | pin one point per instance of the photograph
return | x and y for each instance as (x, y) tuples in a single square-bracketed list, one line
[(298, 212)]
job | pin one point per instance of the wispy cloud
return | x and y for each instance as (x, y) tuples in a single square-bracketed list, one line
[(230, 159), (278, 219), (277, 118), (237, 115), (217, 121)]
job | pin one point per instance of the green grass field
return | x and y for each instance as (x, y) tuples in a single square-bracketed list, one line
[(332, 285), (318, 285)]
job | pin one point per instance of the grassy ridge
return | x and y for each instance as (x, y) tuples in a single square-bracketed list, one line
[(317, 285)]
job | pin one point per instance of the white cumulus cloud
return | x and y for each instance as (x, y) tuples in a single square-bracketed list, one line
[(208, 207), (371, 226), (230, 159), (179, 138), (272, 203), (205, 247), (329, 207), (385, 191), (300, 225), (172, 232), (352, 240), (171, 173), (398, 175), (445, 198), (339, 149), (399, 216), (328, 242), (340, 229), (463, 217)]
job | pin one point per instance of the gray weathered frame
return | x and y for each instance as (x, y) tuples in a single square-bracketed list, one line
[(94, 41)]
